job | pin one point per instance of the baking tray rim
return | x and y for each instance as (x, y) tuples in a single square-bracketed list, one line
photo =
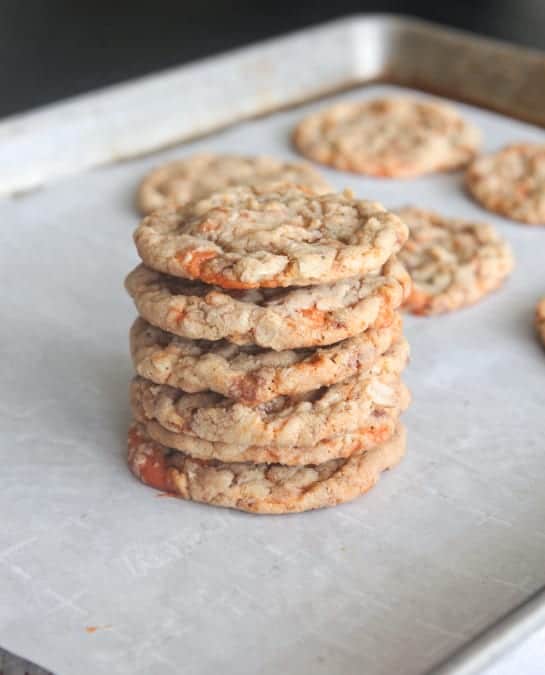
[(127, 120)]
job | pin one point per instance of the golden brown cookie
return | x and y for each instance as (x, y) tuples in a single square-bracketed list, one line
[(273, 318), (379, 430), (286, 421), (453, 263), (511, 182), (395, 137), (198, 176), (250, 374), (260, 488), (250, 237)]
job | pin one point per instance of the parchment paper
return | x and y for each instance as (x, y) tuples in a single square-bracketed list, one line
[(99, 575)]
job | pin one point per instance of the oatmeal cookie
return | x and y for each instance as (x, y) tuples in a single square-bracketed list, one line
[(394, 137), (511, 182), (250, 374), (453, 263), (260, 488), (250, 237), (198, 176), (286, 421), (378, 429), (274, 318)]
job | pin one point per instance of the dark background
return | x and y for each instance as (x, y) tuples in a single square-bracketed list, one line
[(56, 48)]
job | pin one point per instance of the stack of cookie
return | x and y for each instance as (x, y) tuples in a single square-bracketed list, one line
[(269, 348)]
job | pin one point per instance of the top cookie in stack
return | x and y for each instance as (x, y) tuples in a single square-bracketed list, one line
[(269, 348), (250, 237)]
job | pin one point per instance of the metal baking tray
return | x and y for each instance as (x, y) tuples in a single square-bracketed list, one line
[(413, 578)]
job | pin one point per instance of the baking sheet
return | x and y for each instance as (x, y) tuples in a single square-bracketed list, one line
[(99, 575)]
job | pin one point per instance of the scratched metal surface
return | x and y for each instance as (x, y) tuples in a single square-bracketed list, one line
[(99, 575)]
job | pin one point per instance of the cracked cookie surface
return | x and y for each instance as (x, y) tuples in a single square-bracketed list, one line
[(394, 137), (287, 421), (378, 431), (453, 263), (275, 318), (250, 237), (511, 182), (250, 374), (260, 488)]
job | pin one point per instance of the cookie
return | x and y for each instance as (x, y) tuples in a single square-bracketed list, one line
[(198, 176), (379, 430), (273, 318), (250, 374), (251, 237), (511, 182), (260, 488), (394, 137), (285, 421), (453, 263), (540, 319), (331, 448)]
